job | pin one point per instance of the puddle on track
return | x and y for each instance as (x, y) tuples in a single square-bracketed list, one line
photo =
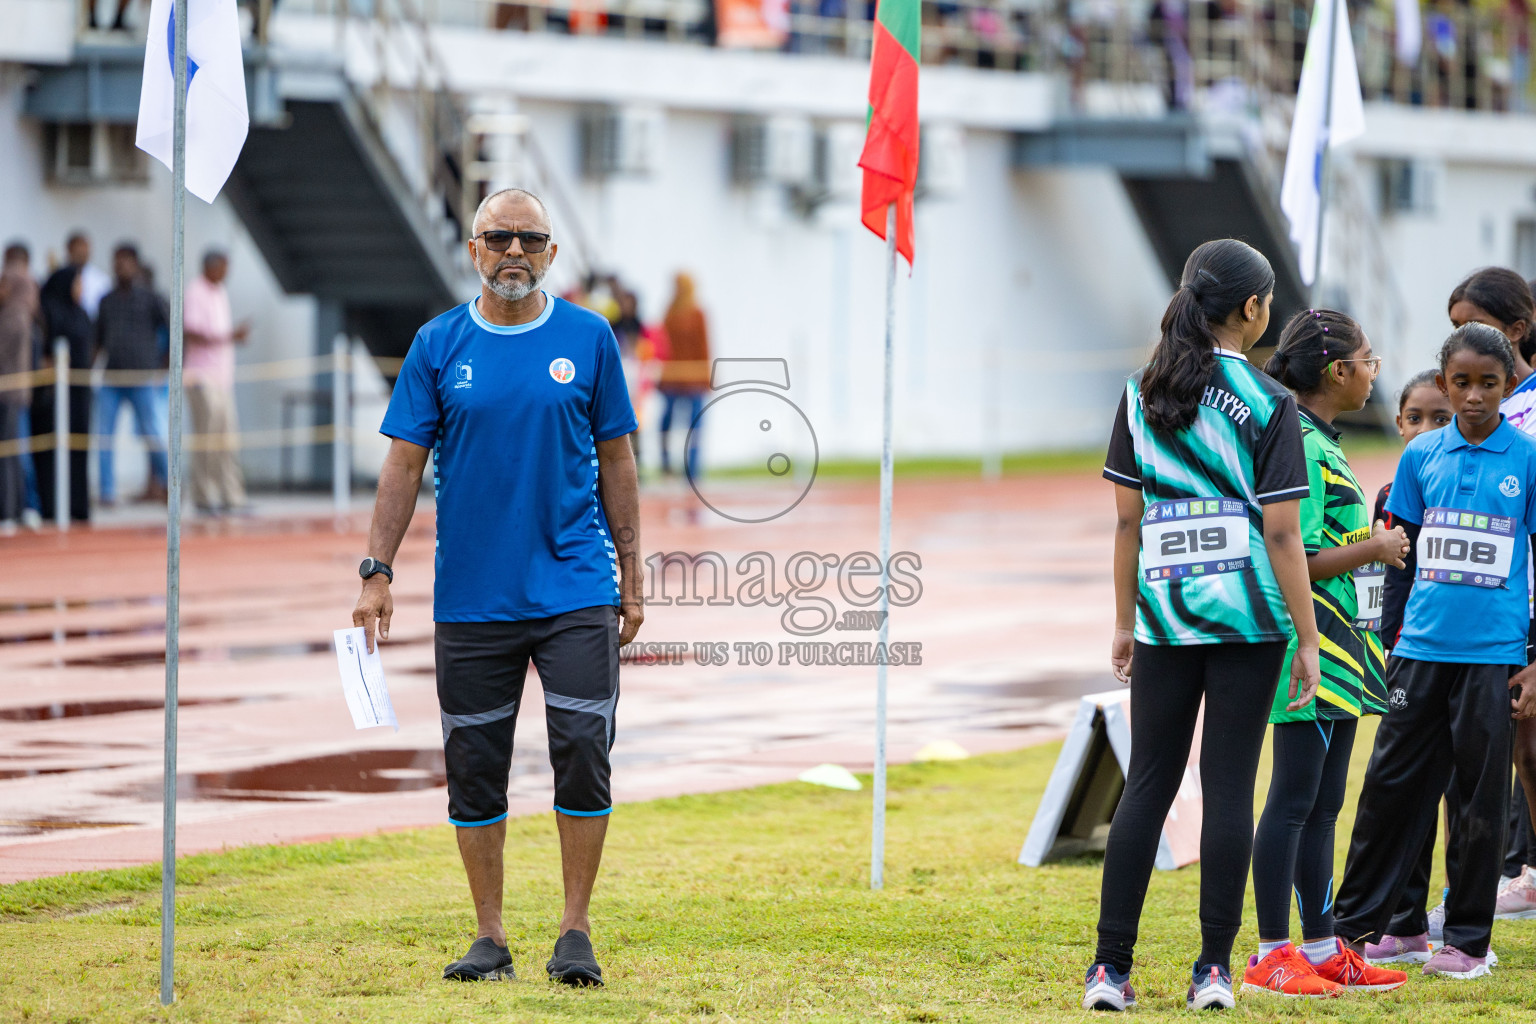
[(358, 771), (88, 708), (40, 826), (1063, 687), (77, 603), (133, 659), (27, 773)]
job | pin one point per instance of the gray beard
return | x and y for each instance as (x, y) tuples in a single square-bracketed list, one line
[(513, 290)]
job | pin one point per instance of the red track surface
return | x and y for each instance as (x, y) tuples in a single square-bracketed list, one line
[(1013, 620)]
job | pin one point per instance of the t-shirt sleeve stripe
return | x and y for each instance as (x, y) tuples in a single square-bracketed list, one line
[(1270, 497), (1117, 478)]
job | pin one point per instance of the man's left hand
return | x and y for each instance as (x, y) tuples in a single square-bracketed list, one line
[(631, 615)]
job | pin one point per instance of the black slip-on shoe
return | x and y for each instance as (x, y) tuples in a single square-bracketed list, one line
[(573, 962), (485, 961)]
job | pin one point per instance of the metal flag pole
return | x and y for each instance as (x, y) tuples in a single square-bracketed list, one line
[(1322, 159), (173, 507), (877, 839)]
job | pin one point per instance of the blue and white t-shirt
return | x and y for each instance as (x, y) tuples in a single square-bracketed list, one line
[(1520, 407), (513, 416), (1476, 508)]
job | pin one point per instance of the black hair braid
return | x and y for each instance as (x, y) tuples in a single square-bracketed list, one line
[(1219, 277), (1311, 340)]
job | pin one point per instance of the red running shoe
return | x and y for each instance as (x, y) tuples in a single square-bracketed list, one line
[(1348, 968), (1285, 972)]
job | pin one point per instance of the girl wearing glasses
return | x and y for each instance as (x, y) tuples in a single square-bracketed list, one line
[(1326, 359)]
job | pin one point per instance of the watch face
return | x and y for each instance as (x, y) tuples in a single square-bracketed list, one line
[(366, 568)]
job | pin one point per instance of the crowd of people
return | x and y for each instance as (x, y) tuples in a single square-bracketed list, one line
[(670, 357), (119, 324), (1255, 578)]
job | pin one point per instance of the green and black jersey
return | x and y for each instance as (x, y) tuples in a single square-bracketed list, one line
[(1205, 576), (1333, 514)]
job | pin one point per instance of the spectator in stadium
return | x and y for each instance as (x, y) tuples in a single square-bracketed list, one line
[(209, 373), (20, 324), (128, 329), (685, 371), (628, 330), (70, 297), (94, 282), (537, 499)]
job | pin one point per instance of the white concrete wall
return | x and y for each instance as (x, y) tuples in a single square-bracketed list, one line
[(1034, 291), (1486, 166)]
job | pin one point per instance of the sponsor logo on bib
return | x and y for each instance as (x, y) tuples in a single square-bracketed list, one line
[(1510, 487), (564, 371)]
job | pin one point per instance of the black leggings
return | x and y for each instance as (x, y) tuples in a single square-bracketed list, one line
[(1237, 682), (1293, 847)]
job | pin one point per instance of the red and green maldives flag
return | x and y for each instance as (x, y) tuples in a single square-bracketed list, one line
[(889, 159)]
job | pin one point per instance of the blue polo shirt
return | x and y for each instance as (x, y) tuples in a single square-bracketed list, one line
[(513, 416), (1487, 494)]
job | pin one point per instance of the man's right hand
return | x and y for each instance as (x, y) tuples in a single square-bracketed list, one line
[(374, 608)]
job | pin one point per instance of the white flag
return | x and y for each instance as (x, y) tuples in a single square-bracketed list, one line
[(1301, 188), (1410, 31), (217, 119)]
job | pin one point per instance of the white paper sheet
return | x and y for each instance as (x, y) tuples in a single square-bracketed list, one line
[(362, 680)]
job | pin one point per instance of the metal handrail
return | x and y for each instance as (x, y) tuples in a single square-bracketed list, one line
[(1471, 58)]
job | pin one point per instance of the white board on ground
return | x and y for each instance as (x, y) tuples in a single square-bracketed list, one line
[(1088, 780)]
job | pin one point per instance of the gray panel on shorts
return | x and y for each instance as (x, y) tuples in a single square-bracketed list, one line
[(595, 707), (452, 722)]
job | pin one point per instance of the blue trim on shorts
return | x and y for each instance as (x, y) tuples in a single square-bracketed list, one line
[(476, 824), (583, 814)]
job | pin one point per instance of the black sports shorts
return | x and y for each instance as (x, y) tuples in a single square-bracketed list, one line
[(481, 667)]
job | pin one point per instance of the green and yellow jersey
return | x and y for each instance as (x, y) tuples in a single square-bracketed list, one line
[(1348, 607)]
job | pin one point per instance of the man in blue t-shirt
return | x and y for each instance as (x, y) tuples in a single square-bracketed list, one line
[(520, 399)]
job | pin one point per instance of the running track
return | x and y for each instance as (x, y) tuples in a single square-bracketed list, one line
[(1013, 619)]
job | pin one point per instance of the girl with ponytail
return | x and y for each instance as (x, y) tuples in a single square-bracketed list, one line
[(1210, 573), (1326, 359)]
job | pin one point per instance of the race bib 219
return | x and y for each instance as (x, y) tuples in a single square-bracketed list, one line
[(1199, 537)]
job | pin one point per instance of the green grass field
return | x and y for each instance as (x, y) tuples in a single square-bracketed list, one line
[(748, 906)]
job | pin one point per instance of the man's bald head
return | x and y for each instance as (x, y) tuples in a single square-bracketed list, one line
[(505, 199)]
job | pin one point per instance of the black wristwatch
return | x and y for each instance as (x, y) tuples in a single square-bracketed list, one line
[(374, 567)]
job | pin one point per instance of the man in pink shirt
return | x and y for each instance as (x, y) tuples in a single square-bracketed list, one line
[(208, 369)]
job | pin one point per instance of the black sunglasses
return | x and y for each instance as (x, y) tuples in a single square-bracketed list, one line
[(501, 241)]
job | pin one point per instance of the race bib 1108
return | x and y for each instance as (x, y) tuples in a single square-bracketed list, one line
[(1460, 546), (1199, 537)]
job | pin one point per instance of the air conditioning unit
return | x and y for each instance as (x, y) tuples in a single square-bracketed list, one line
[(94, 154), (1410, 186), (838, 148), (621, 140), (941, 161), (777, 150)]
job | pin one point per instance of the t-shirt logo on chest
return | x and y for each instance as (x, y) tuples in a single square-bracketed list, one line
[(563, 370), (463, 374), (1510, 487)]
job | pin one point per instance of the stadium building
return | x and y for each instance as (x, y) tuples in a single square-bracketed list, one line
[(1072, 156)]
